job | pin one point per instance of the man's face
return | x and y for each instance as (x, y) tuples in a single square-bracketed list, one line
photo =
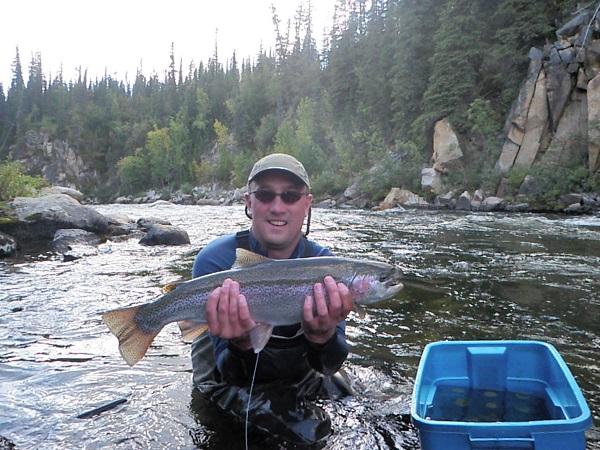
[(277, 224)]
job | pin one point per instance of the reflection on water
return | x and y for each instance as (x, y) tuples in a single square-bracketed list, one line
[(469, 276)]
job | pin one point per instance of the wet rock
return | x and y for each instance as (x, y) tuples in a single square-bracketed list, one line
[(66, 239), (38, 218), (8, 245), (165, 235), (145, 223), (120, 225), (6, 444)]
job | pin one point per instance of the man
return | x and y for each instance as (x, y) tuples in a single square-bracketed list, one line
[(299, 361)]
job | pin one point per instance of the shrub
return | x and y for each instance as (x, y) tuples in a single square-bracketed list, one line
[(14, 182)]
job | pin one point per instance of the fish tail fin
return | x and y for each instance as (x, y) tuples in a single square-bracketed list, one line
[(133, 342)]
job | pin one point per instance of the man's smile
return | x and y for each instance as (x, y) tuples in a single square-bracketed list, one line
[(277, 223)]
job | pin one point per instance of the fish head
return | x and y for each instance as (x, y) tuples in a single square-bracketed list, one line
[(375, 281)]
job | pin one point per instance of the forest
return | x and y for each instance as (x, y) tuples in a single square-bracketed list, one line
[(359, 105)]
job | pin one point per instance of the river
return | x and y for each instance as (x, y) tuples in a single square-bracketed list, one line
[(475, 276)]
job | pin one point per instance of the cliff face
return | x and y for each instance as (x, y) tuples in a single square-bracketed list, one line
[(54, 159), (556, 117)]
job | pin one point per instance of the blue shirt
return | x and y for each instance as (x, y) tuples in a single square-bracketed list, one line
[(289, 360)]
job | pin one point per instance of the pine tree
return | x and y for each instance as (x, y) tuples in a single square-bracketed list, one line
[(456, 60), (414, 23)]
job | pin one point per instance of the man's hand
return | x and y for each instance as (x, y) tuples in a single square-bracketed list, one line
[(320, 318), (228, 316)]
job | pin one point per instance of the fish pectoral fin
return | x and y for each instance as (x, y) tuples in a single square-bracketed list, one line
[(358, 309), (246, 258), (190, 329), (260, 335)]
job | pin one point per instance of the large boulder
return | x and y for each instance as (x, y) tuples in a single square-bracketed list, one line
[(403, 197), (446, 148), (464, 202), (165, 235), (431, 180), (38, 218), (66, 240), (145, 223), (492, 204)]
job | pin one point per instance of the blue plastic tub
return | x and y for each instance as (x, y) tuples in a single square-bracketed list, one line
[(497, 395)]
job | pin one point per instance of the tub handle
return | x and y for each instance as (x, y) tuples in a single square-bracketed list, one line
[(502, 443)]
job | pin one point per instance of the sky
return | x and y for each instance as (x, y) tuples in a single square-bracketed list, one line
[(119, 36)]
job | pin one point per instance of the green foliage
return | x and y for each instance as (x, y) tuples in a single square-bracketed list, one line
[(15, 183), (482, 119), (515, 177), (555, 180), (133, 174), (388, 70), (399, 169)]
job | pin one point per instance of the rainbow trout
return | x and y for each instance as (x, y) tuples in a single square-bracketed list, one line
[(275, 291)]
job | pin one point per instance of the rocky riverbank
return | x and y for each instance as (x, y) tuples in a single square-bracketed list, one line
[(60, 220)]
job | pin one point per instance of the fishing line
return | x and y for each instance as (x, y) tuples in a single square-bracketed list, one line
[(249, 398)]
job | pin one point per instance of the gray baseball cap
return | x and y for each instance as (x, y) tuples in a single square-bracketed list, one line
[(280, 161)]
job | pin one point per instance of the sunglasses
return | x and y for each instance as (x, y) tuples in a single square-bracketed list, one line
[(288, 197)]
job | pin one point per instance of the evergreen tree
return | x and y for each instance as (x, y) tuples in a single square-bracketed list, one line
[(414, 23), (456, 60)]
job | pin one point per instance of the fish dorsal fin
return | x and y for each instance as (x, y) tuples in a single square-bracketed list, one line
[(246, 258), (170, 287)]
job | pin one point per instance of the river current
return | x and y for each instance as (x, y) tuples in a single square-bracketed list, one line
[(472, 276)]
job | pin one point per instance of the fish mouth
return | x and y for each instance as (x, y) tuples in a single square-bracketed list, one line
[(391, 280)]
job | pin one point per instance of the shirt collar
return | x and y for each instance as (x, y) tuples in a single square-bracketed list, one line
[(256, 247)]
